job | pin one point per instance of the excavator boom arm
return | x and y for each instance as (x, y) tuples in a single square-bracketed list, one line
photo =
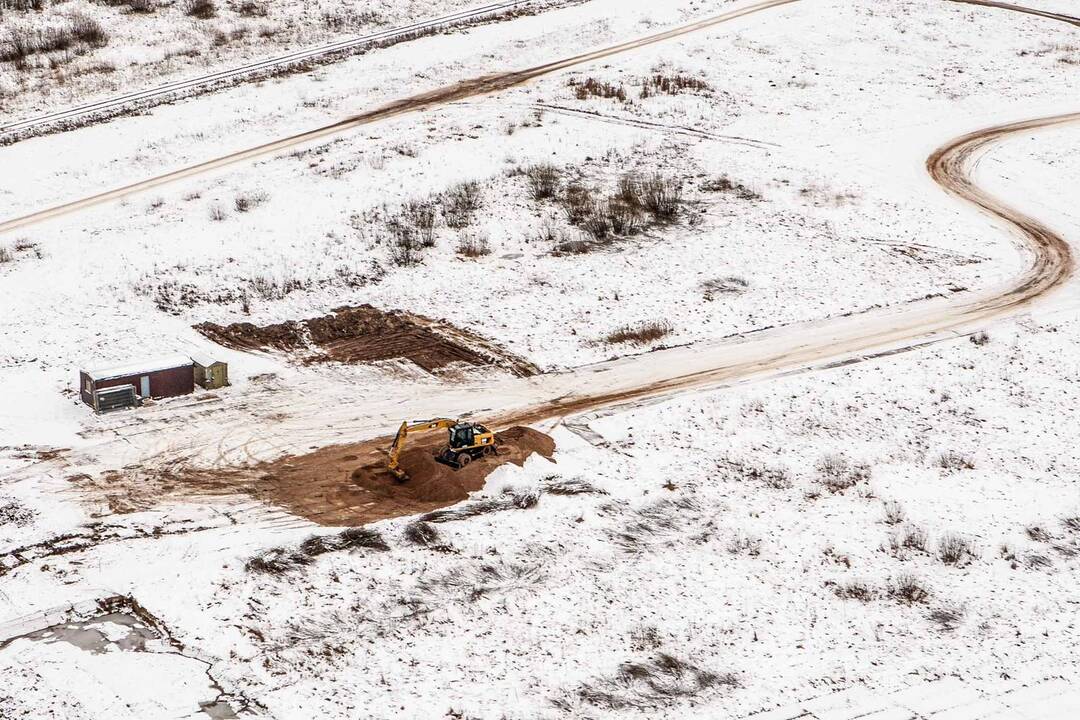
[(403, 432)]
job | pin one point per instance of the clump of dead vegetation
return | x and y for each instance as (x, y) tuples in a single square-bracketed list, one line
[(894, 513), (837, 473), (13, 512), (649, 684), (473, 245), (855, 590), (731, 285), (639, 201), (77, 36), (742, 544), (980, 338), (201, 9), (509, 500), (672, 84), (955, 549), (20, 249), (474, 581), (725, 184), (21, 5), (348, 19), (249, 201), (908, 589), (658, 524), (777, 478), (641, 334), (460, 203), (953, 461), (911, 537), (279, 561), (426, 535), (947, 618), (543, 180), (591, 87), (555, 485)]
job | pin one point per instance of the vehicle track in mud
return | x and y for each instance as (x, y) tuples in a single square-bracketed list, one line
[(777, 351)]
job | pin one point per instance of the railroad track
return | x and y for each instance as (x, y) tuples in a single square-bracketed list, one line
[(111, 107)]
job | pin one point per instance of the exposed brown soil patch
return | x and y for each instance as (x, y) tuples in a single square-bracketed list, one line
[(366, 334), (431, 481), (335, 486)]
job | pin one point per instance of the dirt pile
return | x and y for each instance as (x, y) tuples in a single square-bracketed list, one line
[(365, 334), (431, 481)]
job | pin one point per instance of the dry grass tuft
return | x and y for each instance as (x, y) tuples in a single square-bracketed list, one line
[(894, 513), (554, 485), (954, 549), (641, 334), (731, 285), (947, 618), (543, 180), (591, 87), (855, 590), (838, 474), (508, 501), (473, 245), (908, 589), (651, 684), (953, 461), (201, 9)]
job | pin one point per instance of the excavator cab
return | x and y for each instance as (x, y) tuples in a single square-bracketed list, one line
[(468, 441)]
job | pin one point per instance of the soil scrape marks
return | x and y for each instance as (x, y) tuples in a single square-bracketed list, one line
[(336, 486), (365, 334)]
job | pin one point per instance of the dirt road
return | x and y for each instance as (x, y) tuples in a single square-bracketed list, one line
[(318, 493)]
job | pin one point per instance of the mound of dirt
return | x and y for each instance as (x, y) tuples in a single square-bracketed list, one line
[(366, 334), (431, 481)]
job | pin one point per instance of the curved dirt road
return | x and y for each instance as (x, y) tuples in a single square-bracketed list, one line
[(315, 486)]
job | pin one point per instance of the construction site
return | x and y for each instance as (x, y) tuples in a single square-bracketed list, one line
[(539, 359)]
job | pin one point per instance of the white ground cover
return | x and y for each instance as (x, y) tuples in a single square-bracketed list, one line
[(848, 219), (145, 49), (538, 610), (692, 552)]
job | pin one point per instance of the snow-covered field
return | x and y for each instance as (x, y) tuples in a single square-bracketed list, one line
[(737, 550), (151, 42)]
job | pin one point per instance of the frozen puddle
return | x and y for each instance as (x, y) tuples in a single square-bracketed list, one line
[(111, 665)]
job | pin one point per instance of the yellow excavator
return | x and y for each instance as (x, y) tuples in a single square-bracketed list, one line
[(467, 442)]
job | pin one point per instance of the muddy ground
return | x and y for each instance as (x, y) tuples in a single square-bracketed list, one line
[(365, 334), (341, 485)]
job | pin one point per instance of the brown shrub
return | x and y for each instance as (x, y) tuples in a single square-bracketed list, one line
[(201, 9), (543, 180), (640, 334)]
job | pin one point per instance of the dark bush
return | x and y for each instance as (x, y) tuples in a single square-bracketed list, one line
[(460, 202), (591, 87), (201, 9), (661, 196), (908, 589), (659, 84), (955, 550), (543, 180)]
